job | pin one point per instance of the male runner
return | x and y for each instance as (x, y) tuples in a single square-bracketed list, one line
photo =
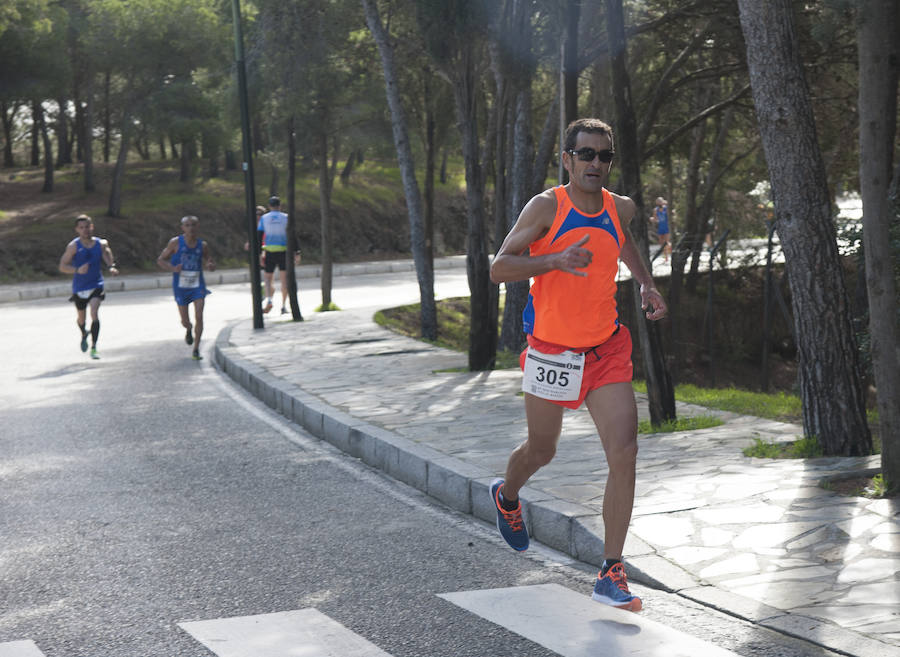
[(569, 240), (184, 256), (272, 229), (660, 217), (83, 257)]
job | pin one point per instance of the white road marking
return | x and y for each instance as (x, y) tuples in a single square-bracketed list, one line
[(299, 633), (573, 625), (20, 649)]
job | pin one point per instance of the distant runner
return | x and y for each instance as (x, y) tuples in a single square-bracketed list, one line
[(184, 256), (84, 257), (272, 229)]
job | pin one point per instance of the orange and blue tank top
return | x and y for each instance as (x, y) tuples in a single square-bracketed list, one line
[(577, 311)]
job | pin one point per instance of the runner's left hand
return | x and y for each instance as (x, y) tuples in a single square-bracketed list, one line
[(651, 297)]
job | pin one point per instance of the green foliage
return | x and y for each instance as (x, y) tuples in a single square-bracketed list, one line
[(763, 450), (879, 487), (681, 424), (324, 309), (776, 406), (802, 448)]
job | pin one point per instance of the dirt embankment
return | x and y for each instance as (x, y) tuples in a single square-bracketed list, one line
[(36, 226)]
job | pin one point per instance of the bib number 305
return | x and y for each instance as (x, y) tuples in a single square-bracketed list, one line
[(556, 377)]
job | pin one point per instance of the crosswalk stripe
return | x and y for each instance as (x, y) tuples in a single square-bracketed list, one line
[(572, 625), (20, 649), (298, 633)]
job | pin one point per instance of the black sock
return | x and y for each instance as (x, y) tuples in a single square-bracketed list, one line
[(508, 505), (95, 332), (607, 564), (82, 329)]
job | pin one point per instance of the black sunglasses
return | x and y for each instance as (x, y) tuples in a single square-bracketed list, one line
[(588, 154)]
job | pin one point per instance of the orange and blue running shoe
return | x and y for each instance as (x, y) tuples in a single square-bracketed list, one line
[(510, 523), (612, 589)]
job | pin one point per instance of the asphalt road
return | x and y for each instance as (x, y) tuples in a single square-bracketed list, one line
[(143, 490)]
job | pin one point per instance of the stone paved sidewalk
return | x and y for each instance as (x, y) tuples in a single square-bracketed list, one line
[(755, 538)]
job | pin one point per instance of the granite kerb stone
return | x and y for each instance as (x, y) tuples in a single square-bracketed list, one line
[(830, 636)]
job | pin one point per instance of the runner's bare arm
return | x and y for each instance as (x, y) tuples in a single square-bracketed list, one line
[(512, 263), (210, 263), (163, 260), (65, 261), (650, 296), (109, 258)]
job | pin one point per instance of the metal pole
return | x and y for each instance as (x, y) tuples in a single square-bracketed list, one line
[(249, 189)]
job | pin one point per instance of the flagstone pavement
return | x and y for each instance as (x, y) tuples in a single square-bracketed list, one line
[(756, 538)]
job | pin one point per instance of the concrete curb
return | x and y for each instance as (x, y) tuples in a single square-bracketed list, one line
[(63, 287)]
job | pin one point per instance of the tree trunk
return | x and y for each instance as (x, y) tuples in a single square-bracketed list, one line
[(512, 333), (8, 159), (107, 120), (48, 149), (660, 393), (878, 70), (544, 153), (430, 158), (64, 152), (118, 177), (830, 387), (399, 126), (87, 135), (184, 174), (292, 222), (36, 114), (483, 293), (325, 216), (570, 60)]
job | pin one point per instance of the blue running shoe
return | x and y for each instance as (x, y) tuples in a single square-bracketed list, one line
[(84, 341), (612, 589), (510, 523)]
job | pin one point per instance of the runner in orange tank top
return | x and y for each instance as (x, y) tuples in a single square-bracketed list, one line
[(569, 239)]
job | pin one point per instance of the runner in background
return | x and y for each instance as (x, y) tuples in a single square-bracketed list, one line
[(184, 256), (84, 257)]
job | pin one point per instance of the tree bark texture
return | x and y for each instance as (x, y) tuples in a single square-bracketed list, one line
[(115, 193), (296, 315), (400, 128), (325, 182), (36, 113), (877, 30), (48, 150), (483, 293), (830, 384), (86, 137), (660, 392), (7, 116)]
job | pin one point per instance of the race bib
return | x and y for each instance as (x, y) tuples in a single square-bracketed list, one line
[(86, 294), (189, 279), (556, 377)]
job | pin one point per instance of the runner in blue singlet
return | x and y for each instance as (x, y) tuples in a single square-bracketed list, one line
[(84, 257), (661, 219), (184, 256)]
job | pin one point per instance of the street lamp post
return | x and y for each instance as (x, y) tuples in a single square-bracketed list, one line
[(249, 189)]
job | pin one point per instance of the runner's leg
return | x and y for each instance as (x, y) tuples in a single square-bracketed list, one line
[(282, 274), (614, 412), (95, 320), (198, 322), (544, 427)]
